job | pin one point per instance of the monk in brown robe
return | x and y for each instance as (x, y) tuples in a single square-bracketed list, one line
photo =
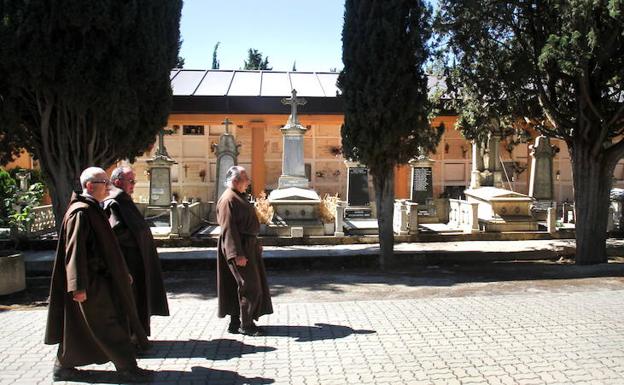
[(241, 278), (137, 245), (91, 302)]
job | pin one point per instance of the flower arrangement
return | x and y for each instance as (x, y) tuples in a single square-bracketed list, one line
[(264, 210), (327, 208)]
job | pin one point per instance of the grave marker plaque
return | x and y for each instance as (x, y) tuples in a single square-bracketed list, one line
[(422, 185), (357, 189)]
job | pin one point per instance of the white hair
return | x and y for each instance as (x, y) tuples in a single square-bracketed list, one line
[(233, 174), (90, 174), (119, 172)]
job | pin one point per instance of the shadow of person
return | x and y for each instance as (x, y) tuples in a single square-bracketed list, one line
[(198, 374), (319, 332), (221, 349)]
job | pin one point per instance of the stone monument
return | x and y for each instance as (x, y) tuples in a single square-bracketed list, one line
[(541, 182), (421, 191), (24, 179), (358, 197), (358, 215), (497, 209), (296, 205), (160, 174), (227, 153), (487, 169)]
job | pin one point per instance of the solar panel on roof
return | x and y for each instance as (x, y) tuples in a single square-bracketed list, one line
[(245, 84), (216, 83), (306, 84), (186, 82), (275, 84)]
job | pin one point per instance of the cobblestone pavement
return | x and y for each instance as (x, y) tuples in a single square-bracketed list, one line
[(543, 337)]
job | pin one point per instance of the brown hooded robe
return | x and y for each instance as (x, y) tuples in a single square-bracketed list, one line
[(137, 244), (88, 258), (242, 291)]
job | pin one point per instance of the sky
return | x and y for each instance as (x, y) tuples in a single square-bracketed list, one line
[(306, 31)]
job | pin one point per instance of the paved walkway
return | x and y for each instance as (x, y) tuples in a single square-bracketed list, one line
[(570, 335), (532, 249)]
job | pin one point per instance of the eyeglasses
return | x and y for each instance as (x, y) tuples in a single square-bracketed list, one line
[(103, 181), (131, 181)]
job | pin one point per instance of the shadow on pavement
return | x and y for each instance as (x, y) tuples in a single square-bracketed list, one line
[(198, 374), (221, 349), (319, 332), (317, 283)]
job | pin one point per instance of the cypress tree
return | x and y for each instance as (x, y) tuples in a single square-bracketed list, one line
[(84, 83), (384, 88)]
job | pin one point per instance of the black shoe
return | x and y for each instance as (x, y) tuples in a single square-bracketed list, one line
[(234, 325), (136, 375), (252, 331), (68, 374)]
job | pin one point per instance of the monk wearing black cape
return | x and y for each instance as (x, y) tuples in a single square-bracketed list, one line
[(241, 278), (137, 246), (91, 302)]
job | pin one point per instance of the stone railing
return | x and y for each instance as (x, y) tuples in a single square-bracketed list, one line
[(463, 215), (187, 217), (43, 221), (405, 217)]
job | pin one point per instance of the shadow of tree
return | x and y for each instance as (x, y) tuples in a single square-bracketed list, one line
[(319, 332), (198, 374), (221, 349)]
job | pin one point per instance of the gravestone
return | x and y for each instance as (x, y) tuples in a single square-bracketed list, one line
[(160, 174), (227, 153), (295, 204), (541, 184), (357, 186), (421, 191), (358, 197)]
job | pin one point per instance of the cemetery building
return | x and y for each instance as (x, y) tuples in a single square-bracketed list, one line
[(251, 101)]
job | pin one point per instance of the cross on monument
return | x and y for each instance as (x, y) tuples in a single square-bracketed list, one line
[(227, 123), (186, 167), (162, 150), (293, 101)]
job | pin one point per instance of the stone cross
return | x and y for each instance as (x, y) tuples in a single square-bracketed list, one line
[(227, 123), (294, 101), (162, 150)]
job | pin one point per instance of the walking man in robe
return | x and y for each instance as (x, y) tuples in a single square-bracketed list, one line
[(138, 248), (91, 301), (241, 277)]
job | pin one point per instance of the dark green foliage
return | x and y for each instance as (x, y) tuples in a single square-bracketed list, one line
[(557, 65), (384, 89), (215, 62), (255, 62), (84, 83), (383, 83), (8, 187)]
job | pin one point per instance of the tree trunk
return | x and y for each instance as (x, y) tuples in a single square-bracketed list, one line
[(592, 185), (384, 198)]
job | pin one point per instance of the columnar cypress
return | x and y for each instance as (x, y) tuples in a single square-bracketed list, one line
[(84, 83), (384, 88)]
